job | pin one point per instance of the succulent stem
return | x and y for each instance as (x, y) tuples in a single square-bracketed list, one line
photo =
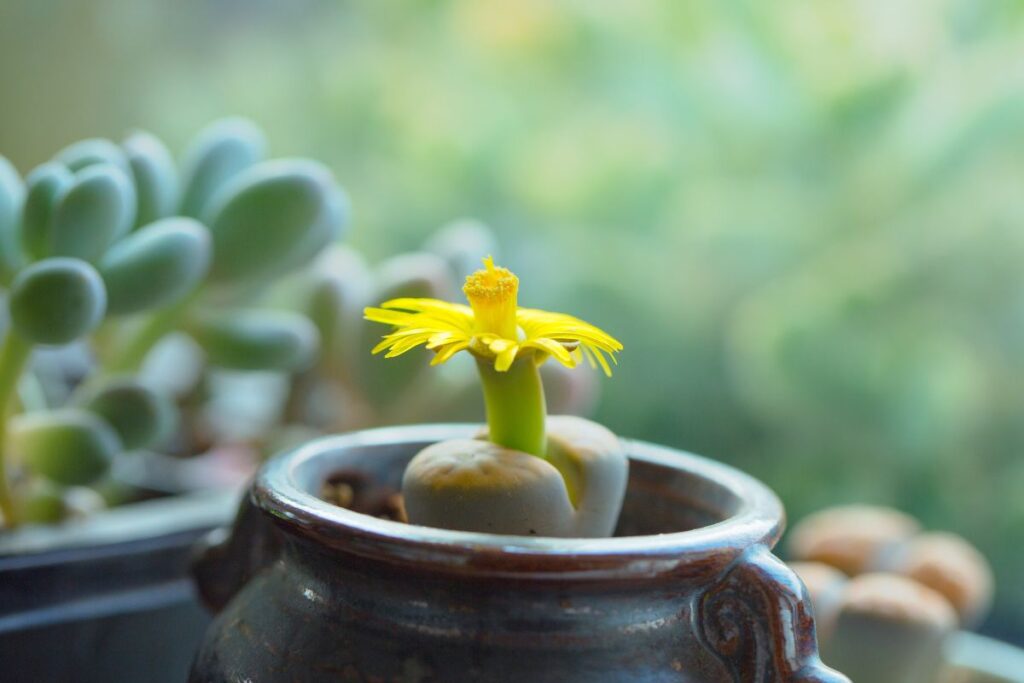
[(515, 405), (13, 355), (153, 329)]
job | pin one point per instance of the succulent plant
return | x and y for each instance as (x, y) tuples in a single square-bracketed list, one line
[(526, 473), (111, 245)]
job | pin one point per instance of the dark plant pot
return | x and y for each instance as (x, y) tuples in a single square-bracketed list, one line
[(108, 598), (689, 592)]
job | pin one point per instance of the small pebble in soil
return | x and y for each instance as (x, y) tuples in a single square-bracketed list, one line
[(355, 492)]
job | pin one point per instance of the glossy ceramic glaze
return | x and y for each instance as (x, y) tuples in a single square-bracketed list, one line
[(108, 597), (687, 591)]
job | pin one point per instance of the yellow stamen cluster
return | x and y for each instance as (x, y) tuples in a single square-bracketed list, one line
[(492, 294), (492, 326)]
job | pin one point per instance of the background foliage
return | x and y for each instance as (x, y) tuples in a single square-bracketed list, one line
[(804, 220)]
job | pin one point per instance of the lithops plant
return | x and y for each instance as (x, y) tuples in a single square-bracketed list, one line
[(526, 473), (850, 537), (111, 242)]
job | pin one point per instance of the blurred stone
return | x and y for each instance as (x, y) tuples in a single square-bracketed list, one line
[(951, 566), (338, 493), (850, 538), (889, 629)]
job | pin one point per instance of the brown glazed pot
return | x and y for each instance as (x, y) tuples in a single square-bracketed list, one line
[(688, 590)]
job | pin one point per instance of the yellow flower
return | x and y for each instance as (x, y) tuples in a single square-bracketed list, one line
[(492, 326)]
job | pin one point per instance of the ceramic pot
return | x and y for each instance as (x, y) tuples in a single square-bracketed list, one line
[(687, 591), (109, 597)]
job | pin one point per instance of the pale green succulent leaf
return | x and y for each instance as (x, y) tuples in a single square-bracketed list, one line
[(258, 340), (67, 446), (218, 153), (91, 152), (141, 416), (12, 195), (56, 301), (93, 213), (47, 184), (273, 216), (156, 265), (419, 274), (155, 176)]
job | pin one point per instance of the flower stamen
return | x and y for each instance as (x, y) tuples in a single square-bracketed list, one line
[(492, 294)]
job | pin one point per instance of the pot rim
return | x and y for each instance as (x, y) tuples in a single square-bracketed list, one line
[(758, 517)]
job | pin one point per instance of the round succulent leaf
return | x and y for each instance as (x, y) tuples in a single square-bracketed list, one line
[(43, 503), (328, 230), (90, 152), (258, 340), (47, 184), (140, 415), (84, 501), (384, 380), (347, 284), (56, 301), (462, 244), (271, 215), (156, 265), (12, 194), (416, 274), (94, 212), (155, 175), (217, 154), (67, 446)]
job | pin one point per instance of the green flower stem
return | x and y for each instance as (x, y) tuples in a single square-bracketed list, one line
[(13, 355), (515, 405)]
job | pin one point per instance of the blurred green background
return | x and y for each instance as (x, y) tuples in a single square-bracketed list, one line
[(805, 221)]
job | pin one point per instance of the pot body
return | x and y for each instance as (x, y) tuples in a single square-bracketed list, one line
[(688, 592), (108, 598)]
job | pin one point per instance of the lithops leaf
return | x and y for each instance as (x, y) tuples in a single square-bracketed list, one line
[(156, 265), (139, 415), (56, 301), (85, 153), (47, 184), (12, 194), (595, 468), (474, 485), (258, 340), (272, 216), (219, 152), (68, 446), (95, 211), (156, 178)]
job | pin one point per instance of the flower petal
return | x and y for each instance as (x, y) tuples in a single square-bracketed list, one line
[(552, 347), (504, 359), (448, 351)]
